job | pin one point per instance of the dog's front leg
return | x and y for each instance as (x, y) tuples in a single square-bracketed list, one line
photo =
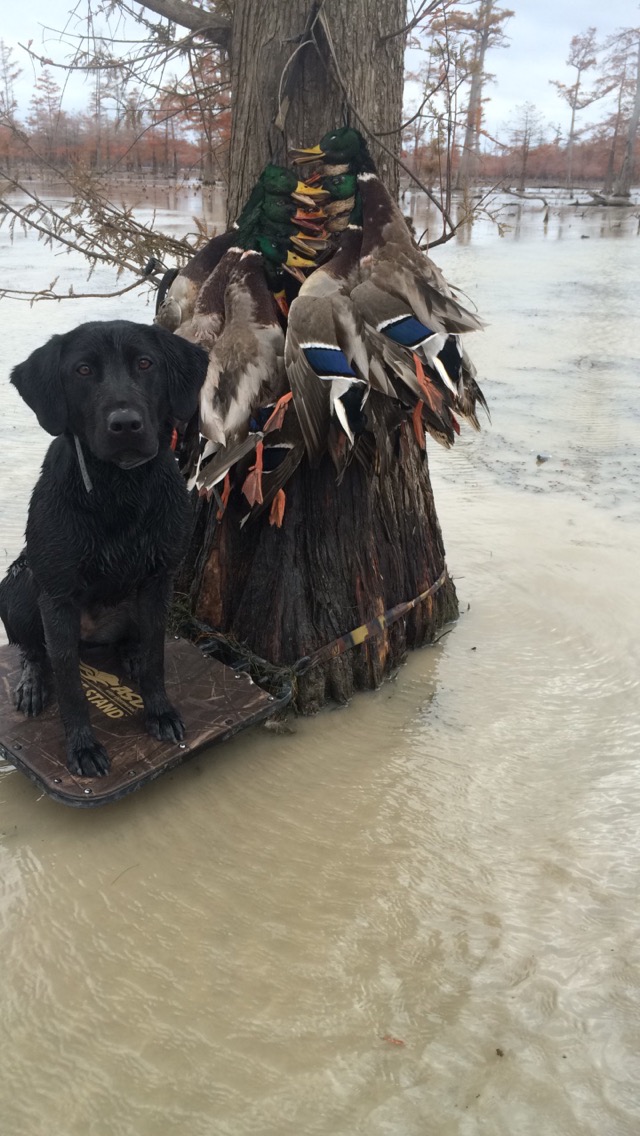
[(161, 718), (85, 755)]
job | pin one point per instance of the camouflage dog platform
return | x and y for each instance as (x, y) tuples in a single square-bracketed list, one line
[(214, 700)]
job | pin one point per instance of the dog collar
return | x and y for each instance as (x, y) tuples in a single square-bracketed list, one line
[(83, 465)]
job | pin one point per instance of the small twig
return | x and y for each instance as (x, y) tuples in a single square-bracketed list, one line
[(427, 8), (123, 872), (46, 293)]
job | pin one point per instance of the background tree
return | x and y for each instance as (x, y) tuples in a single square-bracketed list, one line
[(9, 73), (628, 46), (431, 131), (526, 131), (480, 28), (45, 116), (583, 58)]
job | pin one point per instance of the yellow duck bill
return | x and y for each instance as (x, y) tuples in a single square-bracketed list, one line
[(307, 219), (305, 246), (294, 260), (294, 265), (304, 190), (301, 154)]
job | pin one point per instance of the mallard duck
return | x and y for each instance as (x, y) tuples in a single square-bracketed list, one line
[(246, 361), (389, 365), (344, 206), (178, 303), (280, 214), (389, 255), (326, 356), (308, 244), (403, 294), (275, 182), (278, 182), (207, 319), (238, 318)]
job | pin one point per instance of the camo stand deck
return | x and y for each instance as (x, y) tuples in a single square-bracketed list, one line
[(215, 702)]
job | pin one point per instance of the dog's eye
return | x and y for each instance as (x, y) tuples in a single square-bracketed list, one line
[(83, 369), (144, 363)]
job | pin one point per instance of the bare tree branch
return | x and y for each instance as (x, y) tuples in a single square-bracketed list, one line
[(426, 9), (214, 28), (32, 298)]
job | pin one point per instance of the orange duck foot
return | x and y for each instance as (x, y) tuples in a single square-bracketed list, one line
[(224, 497), (276, 513), (252, 487)]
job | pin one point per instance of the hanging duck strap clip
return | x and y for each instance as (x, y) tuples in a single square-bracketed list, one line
[(366, 630), (84, 472)]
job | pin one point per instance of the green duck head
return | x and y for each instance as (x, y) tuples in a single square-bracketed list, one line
[(341, 186), (341, 147), (277, 251), (275, 183), (281, 215), (278, 181), (345, 200), (279, 210)]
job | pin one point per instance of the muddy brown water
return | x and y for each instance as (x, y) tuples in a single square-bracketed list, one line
[(416, 916)]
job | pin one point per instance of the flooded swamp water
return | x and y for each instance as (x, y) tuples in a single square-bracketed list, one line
[(418, 915)]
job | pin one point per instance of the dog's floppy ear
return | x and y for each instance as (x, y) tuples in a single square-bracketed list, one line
[(38, 382), (186, 371)]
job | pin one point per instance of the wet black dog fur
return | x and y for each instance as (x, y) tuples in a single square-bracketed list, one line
[(100, 555)]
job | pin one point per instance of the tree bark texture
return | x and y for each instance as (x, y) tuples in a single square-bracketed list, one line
[(271, 71), (345, 553)]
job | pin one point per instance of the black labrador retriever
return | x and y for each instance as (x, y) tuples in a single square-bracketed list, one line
[(108, 521)]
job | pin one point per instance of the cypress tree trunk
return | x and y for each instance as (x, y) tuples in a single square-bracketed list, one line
[(347, 552), (265, 40), (622, 187)]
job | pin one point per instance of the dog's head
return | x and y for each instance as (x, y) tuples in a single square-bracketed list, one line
[(115, 385)]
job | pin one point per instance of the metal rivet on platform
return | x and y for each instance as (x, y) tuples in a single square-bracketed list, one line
[(271, 697), (228, 721), (182, 745), (176, 637), (57, 780), (88, 792), (237, 675), (16, 745), (131, 773)]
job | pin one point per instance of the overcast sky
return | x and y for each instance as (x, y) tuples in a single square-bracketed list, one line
[(539, 35)]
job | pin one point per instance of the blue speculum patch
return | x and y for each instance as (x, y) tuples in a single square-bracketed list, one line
[(329, 362), (407, 330)]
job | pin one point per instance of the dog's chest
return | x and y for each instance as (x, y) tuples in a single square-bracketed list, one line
[(122, 561)]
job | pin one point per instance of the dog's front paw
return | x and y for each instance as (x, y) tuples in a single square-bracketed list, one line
[(30, 694), (166, 725), (86, 757)]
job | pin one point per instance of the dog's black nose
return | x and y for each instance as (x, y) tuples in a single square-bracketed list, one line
[(124, 422)]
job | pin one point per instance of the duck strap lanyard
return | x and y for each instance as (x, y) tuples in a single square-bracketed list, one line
[(83, 465), (367, 630)]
